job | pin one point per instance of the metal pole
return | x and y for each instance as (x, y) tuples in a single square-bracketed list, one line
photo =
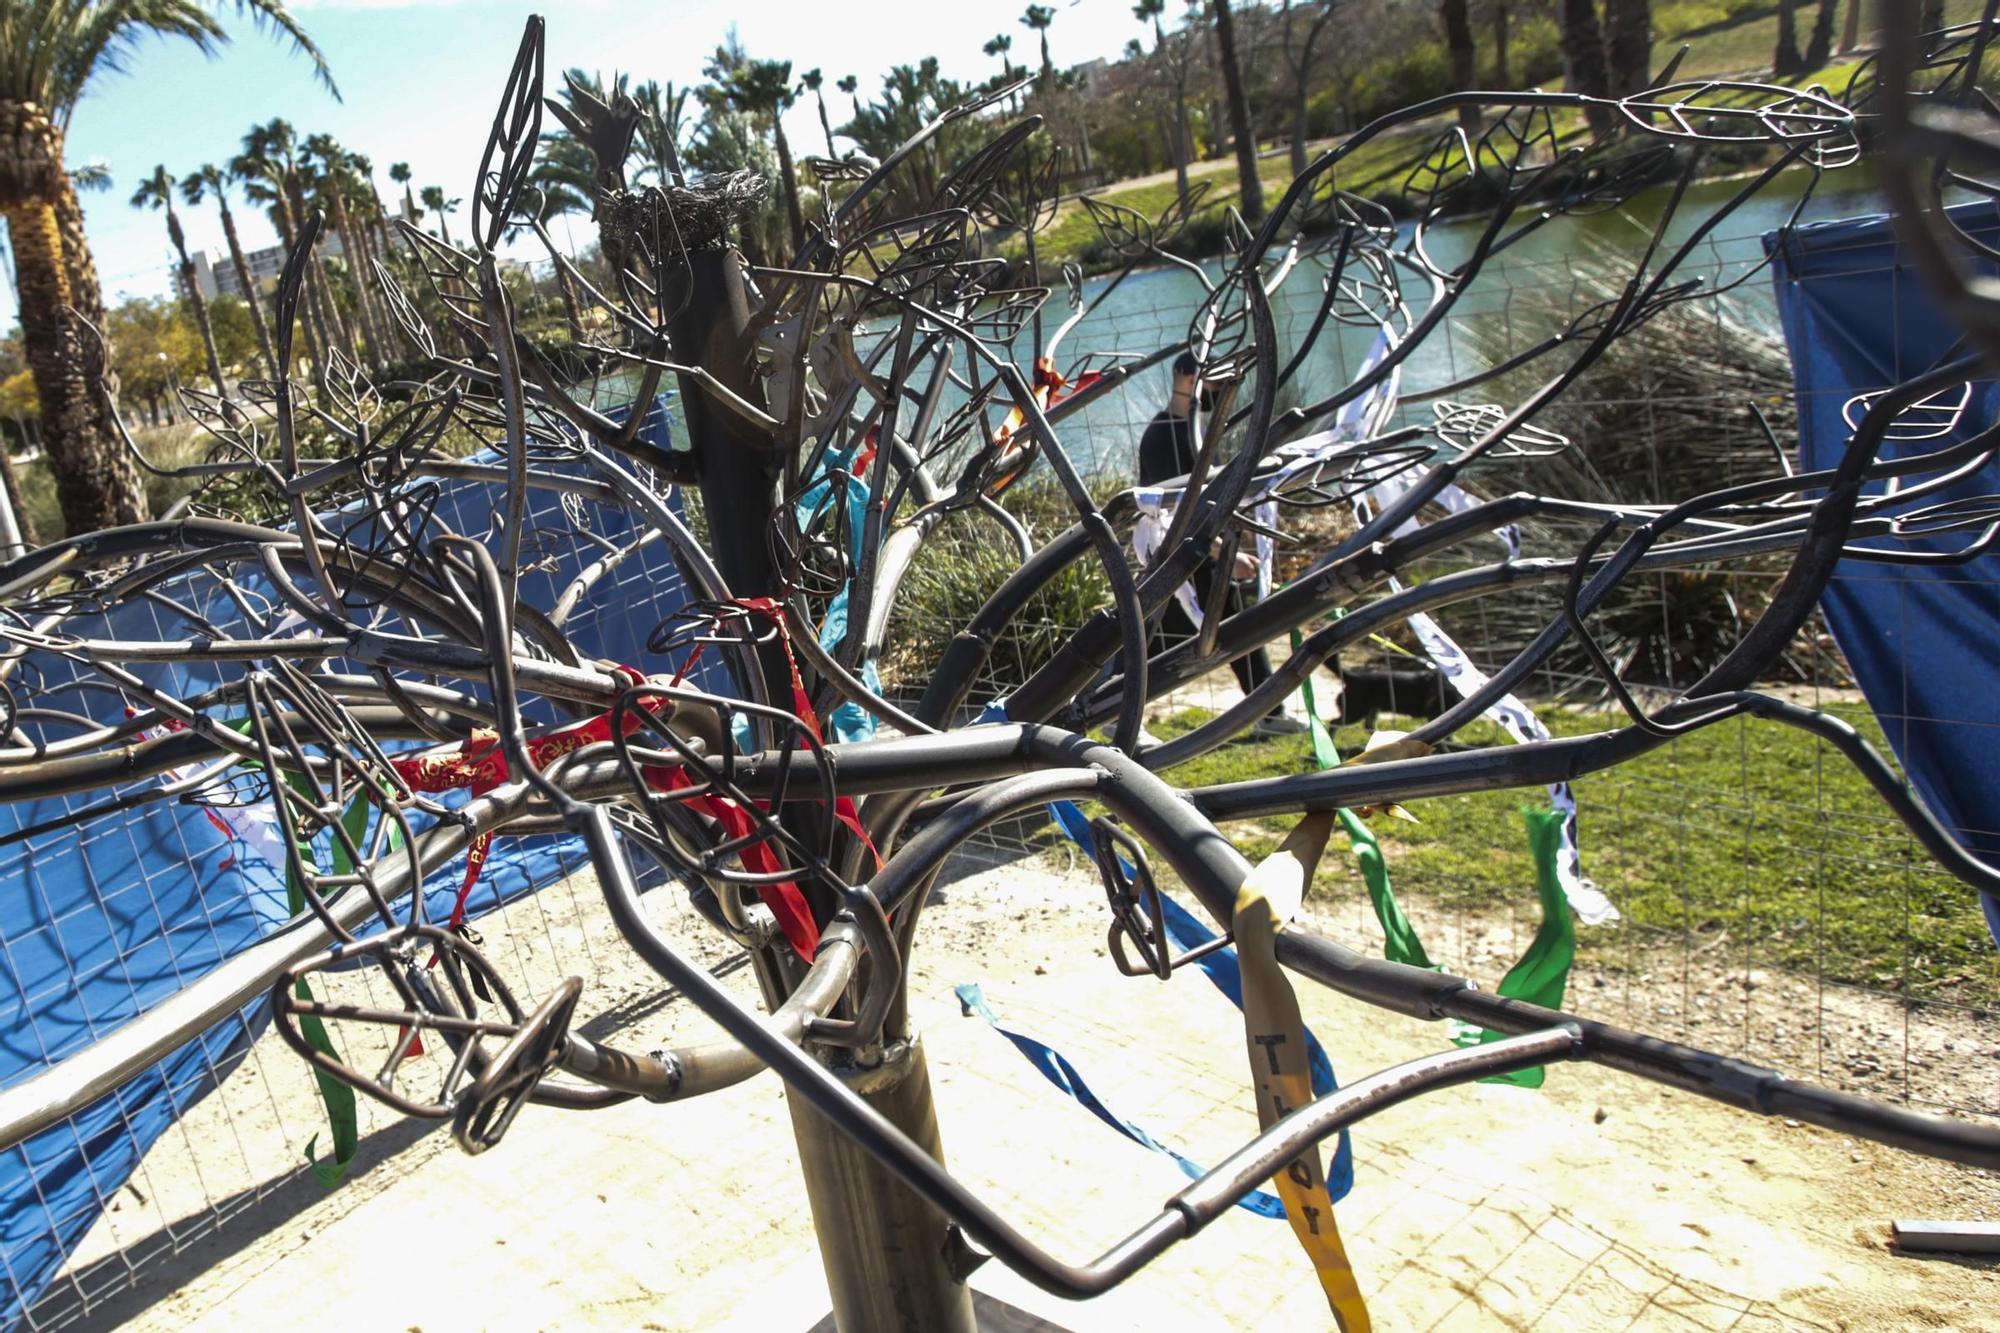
[(12, 543), (886, 1251)]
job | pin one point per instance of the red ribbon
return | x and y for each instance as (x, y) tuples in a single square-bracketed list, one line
[(481, 766)]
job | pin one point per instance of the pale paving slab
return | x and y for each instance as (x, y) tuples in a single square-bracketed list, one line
[(1481, 1207)]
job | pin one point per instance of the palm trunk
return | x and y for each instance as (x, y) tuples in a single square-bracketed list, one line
[(1819, 46), (97, 484), (357, 263), (250, 296), (1185, 154), (197, 301), (1583, 62), (1251, 204), (1501, 77), (1850, 36), (791, 183), (444, 228), (1464, 71), (1628, 44), (826, 127), (326, 314), (1785, 60), (86, 296), (571, 311)]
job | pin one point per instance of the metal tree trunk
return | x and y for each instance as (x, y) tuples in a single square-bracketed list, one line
[(281, 211), (883, 1248), (326, 312)]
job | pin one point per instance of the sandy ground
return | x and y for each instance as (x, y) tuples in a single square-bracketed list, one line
[(1599, 1202)]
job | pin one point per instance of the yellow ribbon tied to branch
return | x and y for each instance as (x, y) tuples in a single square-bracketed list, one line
[(1276, 1041)]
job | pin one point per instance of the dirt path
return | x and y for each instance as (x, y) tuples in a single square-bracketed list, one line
[(1599, 1202)]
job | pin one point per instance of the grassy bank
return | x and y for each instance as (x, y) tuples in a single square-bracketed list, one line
[(1733, 38), (1746, 835)]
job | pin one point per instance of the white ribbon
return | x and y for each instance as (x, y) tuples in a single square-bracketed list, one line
[(1588, 901)]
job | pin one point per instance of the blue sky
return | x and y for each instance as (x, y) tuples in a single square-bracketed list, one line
[(421, 79)]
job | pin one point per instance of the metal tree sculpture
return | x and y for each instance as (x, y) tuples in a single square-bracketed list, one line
[(358, 658)]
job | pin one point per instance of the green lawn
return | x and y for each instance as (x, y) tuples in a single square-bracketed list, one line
[(1723, 37), (1748, 828)]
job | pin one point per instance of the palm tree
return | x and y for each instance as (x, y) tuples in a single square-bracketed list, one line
[(998, 46), (811, 80), (764, 88), (269, 169), (1173, 59), (434, 200), (848, 83), (1038, 18), (1819, 46), (1250, 183), (1785, 60), (663, 125), (399, 172), (94, 175), (368, 204), (50, 52), (209, 180), (157, 191), (330, 171)]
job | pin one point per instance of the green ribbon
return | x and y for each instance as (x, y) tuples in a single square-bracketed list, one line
[(1400, 942), (338, 1097), (1542, 975)]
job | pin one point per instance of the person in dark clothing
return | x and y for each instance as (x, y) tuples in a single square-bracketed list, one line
[(1166, 451)]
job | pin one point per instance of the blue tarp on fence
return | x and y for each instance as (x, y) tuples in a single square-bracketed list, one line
[(104, 919), (1923, 640)]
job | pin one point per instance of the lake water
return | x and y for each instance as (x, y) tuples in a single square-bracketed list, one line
[(1518, 298), (1563, 266)]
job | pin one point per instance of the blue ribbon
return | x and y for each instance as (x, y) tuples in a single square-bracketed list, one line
[(1184, 932), (1057, 1069), (850, 721)]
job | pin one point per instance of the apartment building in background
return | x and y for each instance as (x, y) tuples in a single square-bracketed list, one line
[(217, 276)]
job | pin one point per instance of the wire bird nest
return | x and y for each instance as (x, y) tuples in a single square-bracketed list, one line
[(673, 217)]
